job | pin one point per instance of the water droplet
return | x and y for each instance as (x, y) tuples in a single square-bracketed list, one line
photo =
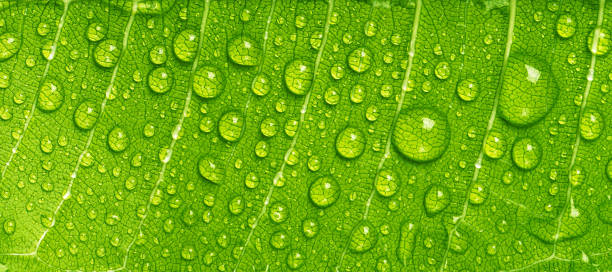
[(46, 145), (372, 113), (278, 212), (107, 53), (314, 163), (298, 77), (236, 205), (9, 45), (437, 198), (300, 21), (363, 237), (324, 191), (230, 126), (360, 60), (279, 239), (9, 227), (50, 96), (386, 183), (495, 145), (185, 45), (408, 233), (160, 80), (566, 26), (421, 134), (316, 39), (577, 176), (243, 50), (526, 153), (269, 127), (369, 28), (458, 242), (467, 89), (118, 140), (5, 80), (310, 228), (295, 259), (149, 130), (591, 124), (188, 253), (260, 85), (208, 82), (331, 96), (575, 221), (603, 42), (43, 29), (337, 71), (130, 183), (442, 70), (350, 143), (357, 94), (158, 55), (261, 149), (210, 170), (478, 194), (383, 265), (528, 93), (96, 32)]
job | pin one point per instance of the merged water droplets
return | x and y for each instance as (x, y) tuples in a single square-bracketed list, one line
[(160, 80), (324, 191), (360, 60), (529, 91), (107, 53), (363, 237), (186, 45), (350, 143), (421, 134), (230, 126), (298, 76), (526, 153), (117, 139), (243, 50), (50, 96), (9, 45), (208, 82)]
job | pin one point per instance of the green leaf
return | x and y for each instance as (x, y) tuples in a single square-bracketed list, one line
[(336, 135)]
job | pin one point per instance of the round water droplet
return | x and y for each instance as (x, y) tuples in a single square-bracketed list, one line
[(210, 170), (360, 60), (43, 29), (243, 50), (236, 205), (566, 26), (332, 96), (188, 253), (96, 32), (158, 55), (186, 45), (118, 139), (363, 237), (495, 145), (269, 127), (526, 153), (357, 94), (279, 239), (310, 227), (350, 143), (577, 176), (298, 76), (442, 70), (50, 96), (421, 134), (107, 53), (208, 82), (603, 43), (437, 198), (9, 227), (467, 89), (9, 45), (278, 212), (295, 259), (260, 85), (478, 194), (386, 183), (324, 191), (160, 80), (230, 126), (591, 124), (529, 91)]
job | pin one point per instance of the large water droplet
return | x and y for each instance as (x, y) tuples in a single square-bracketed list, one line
[(185, 45), (118, 140), (298, 76), (526, 153), (566, 26), (230, 126), (350, 143), (421, 134), (528, 92), (107, 53), (437, 198), (324, 191), (591, 124), (9, 45), (278, 212), (360, 60), (574, 223), (210, 170), (363, 237), (160, 80), (208, 82), (603, 43), (50, 96), (243, 50)]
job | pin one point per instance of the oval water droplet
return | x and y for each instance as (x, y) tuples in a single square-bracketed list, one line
[(363, 237), (495, 145), (421, 134), (386, 183), (529, 91), (437, 198), (243, 50), (50, 96), (158, 55), (279, 239), (591, 124), (298, 76), (9, 45), (210, 170), (603, 43), (185, 45), (160, 80), (478, 194), (566, 26), (324, 191), (107, 53), (408, 233), (467, 89), (236, 205), (442, 70), (278, 212), (118, 140), (269, 127), (208, 82), (260, 85), (310, 228), (96, 32), (350, 143), (360, 60), (526, 153), (230, 126)]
